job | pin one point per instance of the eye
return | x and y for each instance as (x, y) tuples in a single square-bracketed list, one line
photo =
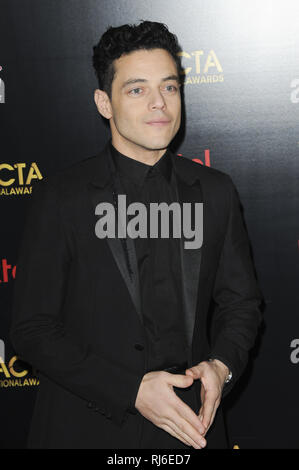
[(135, 91), (171, 88)]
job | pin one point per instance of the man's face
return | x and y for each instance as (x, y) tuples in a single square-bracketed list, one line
[(145, 100)]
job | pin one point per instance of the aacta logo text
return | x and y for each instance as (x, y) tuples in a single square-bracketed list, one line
[(7, 271), (16, 179), (10, 376), (2, 350), (201, 67)]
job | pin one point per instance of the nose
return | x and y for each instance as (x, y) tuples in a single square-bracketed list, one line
[(157, 100)]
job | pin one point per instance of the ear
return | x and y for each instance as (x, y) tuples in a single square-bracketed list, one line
[(103, 104)]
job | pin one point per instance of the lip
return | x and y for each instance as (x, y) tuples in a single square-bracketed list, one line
[(161, 122)]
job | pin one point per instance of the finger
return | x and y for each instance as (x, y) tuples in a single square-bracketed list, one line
[(179, 431), (213, 416), (184, 428), (188, 414), (179, 380), (208, 407), (201, 419), (170, 431), (202, 397), (211, 421), (194, 372), (189, 372)]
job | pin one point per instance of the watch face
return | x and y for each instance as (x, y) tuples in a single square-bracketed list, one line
[(229, 378)]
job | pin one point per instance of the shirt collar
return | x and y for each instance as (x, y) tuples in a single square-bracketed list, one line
[(139, 171)]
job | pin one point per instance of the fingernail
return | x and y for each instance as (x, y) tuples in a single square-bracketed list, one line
[(203, 443)]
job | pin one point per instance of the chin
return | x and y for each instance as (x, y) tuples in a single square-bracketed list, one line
[(157, 144)]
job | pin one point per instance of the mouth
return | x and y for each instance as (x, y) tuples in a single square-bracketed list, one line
[(159, 122)]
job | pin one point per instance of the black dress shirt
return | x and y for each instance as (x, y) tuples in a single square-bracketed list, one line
[(159, 261)]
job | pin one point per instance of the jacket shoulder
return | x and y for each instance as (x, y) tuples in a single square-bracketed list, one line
[(209, 176), (78, 173), (71, 180)]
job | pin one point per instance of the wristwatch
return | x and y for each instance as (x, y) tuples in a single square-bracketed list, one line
[(230, 374), (229, 377)]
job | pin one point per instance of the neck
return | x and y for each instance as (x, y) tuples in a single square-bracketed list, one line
[(136, 152)]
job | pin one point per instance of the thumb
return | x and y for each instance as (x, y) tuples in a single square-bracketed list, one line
[(182, 381)]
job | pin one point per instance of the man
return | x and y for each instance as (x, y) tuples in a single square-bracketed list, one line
[(136, 340)]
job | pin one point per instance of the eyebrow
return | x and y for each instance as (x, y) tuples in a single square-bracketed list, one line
[(131, 81)]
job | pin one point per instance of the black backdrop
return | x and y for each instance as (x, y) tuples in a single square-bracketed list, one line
[(242, 104)]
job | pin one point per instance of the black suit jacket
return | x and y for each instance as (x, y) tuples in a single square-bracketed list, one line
[(76, 312)]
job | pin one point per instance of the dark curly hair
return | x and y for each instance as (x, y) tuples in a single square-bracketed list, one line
[(128, 38)]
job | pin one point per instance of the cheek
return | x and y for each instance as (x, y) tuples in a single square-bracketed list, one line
[(176, 115), (174, 106), (178, 106), (128, 115)]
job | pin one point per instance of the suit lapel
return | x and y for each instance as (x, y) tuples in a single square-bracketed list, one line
[(197, 264), (101, 190), (190, 259)]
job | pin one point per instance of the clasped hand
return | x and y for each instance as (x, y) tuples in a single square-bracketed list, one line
[(157, 401)]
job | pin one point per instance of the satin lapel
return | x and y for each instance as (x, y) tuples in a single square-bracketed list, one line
[(190, 259), (105, 194)]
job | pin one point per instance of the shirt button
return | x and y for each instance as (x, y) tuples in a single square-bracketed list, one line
[(139, 347)]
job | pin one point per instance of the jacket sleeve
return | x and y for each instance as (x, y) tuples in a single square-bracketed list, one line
[(37, 330), (237, 315)]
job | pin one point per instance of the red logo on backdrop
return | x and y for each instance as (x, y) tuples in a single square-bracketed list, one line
[(7, 271), (207, 161)]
